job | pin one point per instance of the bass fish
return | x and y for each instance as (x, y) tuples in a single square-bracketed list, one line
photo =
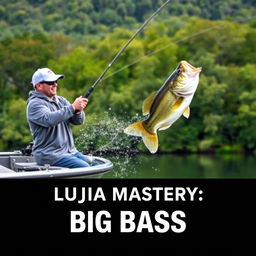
[(166, 105)]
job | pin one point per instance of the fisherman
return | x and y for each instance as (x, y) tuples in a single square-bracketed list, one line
[(49, 117)]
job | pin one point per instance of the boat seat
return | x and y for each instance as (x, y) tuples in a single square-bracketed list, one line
[(25, 163), (28, 167), (33, 166)]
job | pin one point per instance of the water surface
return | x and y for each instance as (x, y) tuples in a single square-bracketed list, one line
[(183, 166)]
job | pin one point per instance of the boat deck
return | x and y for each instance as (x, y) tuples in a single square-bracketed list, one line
[(14, 165)]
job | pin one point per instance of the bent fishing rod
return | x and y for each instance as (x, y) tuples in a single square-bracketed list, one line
[(87, 94)]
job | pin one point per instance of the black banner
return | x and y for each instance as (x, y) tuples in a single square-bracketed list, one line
[(194, 215)]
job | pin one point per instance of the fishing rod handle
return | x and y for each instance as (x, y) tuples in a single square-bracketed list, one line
[(88, 93)]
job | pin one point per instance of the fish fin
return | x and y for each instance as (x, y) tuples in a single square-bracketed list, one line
[(151, 142), (147, 104), (177, 103), (187, 112), (164, 127), (135, 129), (150, 139)]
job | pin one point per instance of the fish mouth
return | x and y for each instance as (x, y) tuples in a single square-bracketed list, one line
[(186, 67)]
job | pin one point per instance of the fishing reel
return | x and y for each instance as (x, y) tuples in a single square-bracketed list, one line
[(28, 150)]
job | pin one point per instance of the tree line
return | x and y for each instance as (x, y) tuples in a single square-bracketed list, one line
[(98, 17)]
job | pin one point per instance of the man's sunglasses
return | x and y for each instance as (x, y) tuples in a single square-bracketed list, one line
[(48, 83)]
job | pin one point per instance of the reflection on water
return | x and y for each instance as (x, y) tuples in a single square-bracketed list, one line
[(183, 166)]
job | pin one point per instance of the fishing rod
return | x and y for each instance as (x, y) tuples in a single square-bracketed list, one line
[(87, 94)]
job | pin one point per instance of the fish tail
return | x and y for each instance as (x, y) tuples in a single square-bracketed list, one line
[(150, 139)]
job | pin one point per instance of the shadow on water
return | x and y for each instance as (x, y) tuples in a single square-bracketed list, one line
[(183, 166)]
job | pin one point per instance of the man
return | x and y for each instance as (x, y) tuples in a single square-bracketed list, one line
[(49, 117)]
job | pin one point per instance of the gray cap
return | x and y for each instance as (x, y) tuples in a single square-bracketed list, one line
[(44, 74)]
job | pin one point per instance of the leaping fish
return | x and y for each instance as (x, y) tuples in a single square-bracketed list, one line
[(166, 105)]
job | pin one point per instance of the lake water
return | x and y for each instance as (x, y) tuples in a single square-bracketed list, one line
[(183, 166)]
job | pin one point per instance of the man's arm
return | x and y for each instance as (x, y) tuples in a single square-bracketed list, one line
[(41, 114)]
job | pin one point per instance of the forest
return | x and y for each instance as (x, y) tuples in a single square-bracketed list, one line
[(80, 38), (96, 18)]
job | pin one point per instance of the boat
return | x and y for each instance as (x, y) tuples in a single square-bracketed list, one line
[(22, 165)]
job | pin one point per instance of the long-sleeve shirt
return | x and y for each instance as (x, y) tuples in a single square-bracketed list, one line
[(49, 121)]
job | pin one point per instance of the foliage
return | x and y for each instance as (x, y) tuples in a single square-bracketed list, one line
[(19, 56), (15, 132), (88, 17), (223, 111)]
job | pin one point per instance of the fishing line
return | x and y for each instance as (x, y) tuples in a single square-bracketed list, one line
[(161, 49), (140, 59), (120, 130), (88, 93), (168, 45), (109, 143), (151, 54)]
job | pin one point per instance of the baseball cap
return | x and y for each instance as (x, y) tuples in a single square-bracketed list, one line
[(44, 74)]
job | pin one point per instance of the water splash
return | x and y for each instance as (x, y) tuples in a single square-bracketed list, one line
[(124, 166), (103, 135)]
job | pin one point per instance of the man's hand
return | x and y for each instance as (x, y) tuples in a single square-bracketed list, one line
[(79, 104)]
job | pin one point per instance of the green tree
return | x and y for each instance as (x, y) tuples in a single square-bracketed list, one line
[(19, 58), (15, 133)]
